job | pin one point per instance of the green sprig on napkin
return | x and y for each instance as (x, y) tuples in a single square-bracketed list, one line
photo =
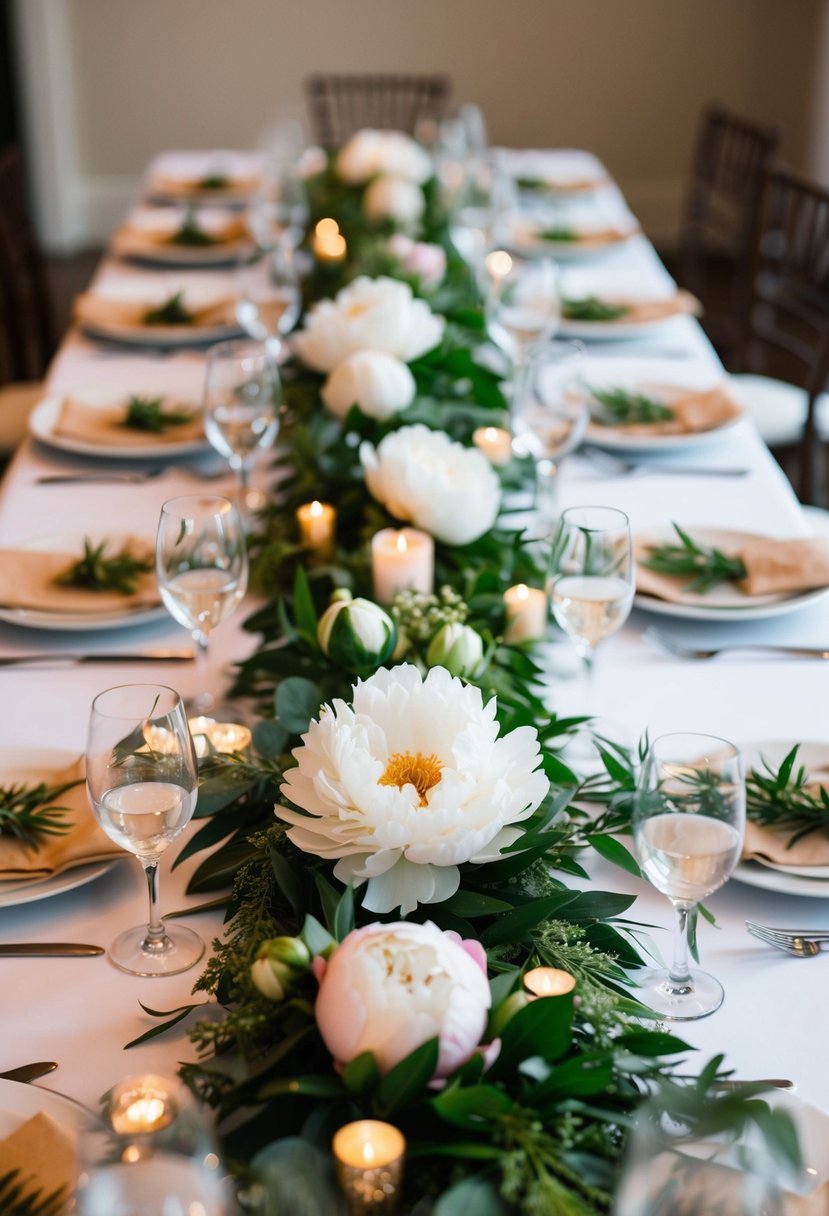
[(531, 183), (97, 572), (171, 312), (784, 799), (618, 406), (148, 414), (591, 308), (16, 1199), (557, 234), (28, 812), (191, 235), (214, 181), (705, 566)]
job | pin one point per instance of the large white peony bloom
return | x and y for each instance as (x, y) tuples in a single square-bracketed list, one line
[(371, 153), (408, 784), (368, 314), (395, 199), (380, 384), (426, 478), (390, 988)]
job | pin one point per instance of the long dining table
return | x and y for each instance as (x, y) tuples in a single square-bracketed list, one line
[(81, 1012)]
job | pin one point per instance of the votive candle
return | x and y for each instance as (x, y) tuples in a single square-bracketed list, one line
[(401, 560), (369, 1160), (328, 243), (495, 443), (549, 981), (224, 737), (526, 609), (317, 521)]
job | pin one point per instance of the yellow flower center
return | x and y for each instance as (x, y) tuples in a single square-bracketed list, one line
[(413, 768), (357, 309)]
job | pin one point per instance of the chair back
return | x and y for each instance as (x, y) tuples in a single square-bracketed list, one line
[(27, 331), (342, 104), (720, 215)]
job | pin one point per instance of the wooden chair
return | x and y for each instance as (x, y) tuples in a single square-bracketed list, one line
[(343, 104), (720, 217), (27, 332), (786, 326)]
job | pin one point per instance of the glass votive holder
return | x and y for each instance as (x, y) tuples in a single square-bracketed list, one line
[(369, 1159)]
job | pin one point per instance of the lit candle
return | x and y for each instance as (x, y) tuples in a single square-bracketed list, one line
[(141, 1106), (316, 526), (401, 561), (159, 739), (549, 981), (225, 737), (526, 613), (495, 443), (369, 1159), (328, 243)]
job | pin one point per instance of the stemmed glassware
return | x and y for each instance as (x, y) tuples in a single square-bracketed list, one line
[(688, 826), (201, 565), (522, 304), (268, 300), (142, 783), (241, 403)]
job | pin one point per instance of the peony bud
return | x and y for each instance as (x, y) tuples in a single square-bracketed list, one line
[(280, 961), (458, 648), (394, 198), (379, 384), (357, 634)]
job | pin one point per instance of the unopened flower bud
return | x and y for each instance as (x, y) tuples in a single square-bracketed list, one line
[(357, 634), (458, 648), (279, 963)]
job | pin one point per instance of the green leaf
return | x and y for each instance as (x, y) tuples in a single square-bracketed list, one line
[(288, 880), (344, 916), (178, 1016), (581, 1077), (614, 851), (651, 1043), (316, 938), (304, 612), (500, 986), (541, 1028), (471, 904), (518, 924), (269, 738), (312, 1087), (597, 905), (471, 1197), (472, 1107), (297, 701), (361, 1075), (407, 1081)]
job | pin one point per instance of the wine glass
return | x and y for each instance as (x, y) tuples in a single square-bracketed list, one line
[(201, 565), (548, 418), (522, 304), (279, 211), (241, 404), (151, 1151), (142, 782), (688, 825), (268, 298)]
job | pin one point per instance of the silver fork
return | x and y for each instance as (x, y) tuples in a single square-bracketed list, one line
[(797, 942), (614, 464), (692, 652)]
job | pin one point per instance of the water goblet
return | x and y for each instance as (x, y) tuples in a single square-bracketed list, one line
[(202, 570), (688, 825), (522, 305), (268, 300), (548, 418), (142, 783), (241, 405)]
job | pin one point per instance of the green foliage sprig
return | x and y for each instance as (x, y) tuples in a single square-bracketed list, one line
[(149, 414), (28, 813), (618, 406), (591, 308), (706, 566), (95, 571), (786, 799), (22, 1197), (171, 312), (191, 235)]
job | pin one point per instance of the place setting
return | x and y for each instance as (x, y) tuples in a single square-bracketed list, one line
[(183, 236), (222, 177), (159, 312)]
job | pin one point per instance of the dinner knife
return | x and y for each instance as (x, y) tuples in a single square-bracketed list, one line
[(48, 950), (29, 1072), (70, 658)]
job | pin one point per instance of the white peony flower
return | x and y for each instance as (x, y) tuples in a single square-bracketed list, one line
[(402, 156), (424, 477), (394, 198), (369, 314), (388, 989), (370, 153), (408, 784), (380, 384)]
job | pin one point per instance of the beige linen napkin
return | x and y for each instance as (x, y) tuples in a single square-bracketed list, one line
[(95, 425), (135, 238), (815, 1204), (186, 187), (108, 311), (27, 581), (769, 844), (83, 843), (43, 1152), (774, 567), (693, 412), (588, 238)]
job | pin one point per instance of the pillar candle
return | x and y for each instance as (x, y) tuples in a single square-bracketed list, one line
[(401, 561)]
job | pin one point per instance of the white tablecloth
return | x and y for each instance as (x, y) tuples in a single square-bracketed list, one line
[(82, 1012)]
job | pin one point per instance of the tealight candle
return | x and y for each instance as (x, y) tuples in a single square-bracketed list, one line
[(495, 443), (526, 613), (401, 561), (159, 739), (225, 737), (549, 981), (141, 1106), (328, 243), (369, 1159), (317, 521)]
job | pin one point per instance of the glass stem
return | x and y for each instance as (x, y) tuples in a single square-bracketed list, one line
[(204, 697), (156, 935), (680, 971)]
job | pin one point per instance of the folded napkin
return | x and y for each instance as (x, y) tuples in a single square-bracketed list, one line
[(107, 311), (773, 567), (769, 844), (27, 581), (587, 238), (137, 238), (104, 426), (693, 412), (561, 185), (44, 1154), (186, 187)]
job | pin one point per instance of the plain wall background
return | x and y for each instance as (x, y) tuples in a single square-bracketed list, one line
[(625, 78)]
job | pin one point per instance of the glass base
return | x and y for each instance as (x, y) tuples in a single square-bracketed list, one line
[(179, 950), (679, 1002)]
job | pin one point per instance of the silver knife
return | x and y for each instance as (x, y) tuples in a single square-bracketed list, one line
[(29, 1072), (70, 658), (48, 950)]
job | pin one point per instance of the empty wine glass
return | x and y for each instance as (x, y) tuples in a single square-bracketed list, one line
[(201, 565), (268, 298), (142, 783), (548, 418), (688, 825), (241, 404), (150, 1152), (522, 304), (279, 211)]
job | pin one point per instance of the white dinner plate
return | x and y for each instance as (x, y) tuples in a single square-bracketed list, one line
[(146, 290), (528, 246), (44, 417), (607, 331), (33, 765), (167, 336), (78, 622), (724, 602)]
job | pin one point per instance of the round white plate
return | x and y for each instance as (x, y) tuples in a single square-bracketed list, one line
[(613, 439), (607, 331), (32, 765), (725, 602), (168, 336), (186, 256), (43, 419), (80, 622), (755, 875), (164, 222), (20, 1102), (565, 251)]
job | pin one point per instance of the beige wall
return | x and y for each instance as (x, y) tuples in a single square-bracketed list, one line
[(623, 77)]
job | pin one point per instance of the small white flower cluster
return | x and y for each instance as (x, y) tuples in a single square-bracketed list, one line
[(393, 168)]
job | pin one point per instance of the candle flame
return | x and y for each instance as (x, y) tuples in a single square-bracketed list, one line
[(368, 1152), (401, 544), (315, 508), (499, 263), (490, 434), (522, 591)]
